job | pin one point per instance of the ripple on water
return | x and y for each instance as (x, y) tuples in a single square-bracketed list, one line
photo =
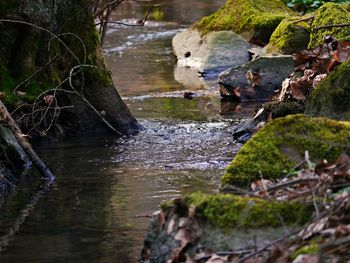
[(164, 147)]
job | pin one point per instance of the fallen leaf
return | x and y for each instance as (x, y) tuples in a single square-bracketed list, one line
[(318, 79), (48, 99)]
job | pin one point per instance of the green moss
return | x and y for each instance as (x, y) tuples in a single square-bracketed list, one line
[(253, 19), (32, 89), (281, 144), (312, 249), (331, 98), (330, 14), (289, 37), (7, 7), (229, 211), (7, 84), (346, 6)]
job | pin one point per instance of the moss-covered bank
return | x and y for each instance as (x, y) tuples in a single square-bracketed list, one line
[(330, 14), (255, 20), (281, 144), (331, 98), (230, 211), (289, 37)]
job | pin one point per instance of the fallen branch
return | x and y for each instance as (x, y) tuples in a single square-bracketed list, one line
[(40, 165)]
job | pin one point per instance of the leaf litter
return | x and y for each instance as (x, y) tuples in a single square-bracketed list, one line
[(325, 185)]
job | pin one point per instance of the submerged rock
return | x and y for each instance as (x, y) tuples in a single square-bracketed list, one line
[(275, 149), (211, 53), (330, 14), (289, 37), (269, 74), (255, 20), (331, 98)]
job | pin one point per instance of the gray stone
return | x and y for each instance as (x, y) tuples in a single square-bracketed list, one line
[(212, 52), (270, 72)]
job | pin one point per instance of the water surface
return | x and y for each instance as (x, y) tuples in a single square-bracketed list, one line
[(97, 209)]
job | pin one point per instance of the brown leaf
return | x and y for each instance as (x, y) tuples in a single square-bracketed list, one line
[(253, 78), (48, 99), (2, 95), (318, 79), (342, 53), (300, 87)]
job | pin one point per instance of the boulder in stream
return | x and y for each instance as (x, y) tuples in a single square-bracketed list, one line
[(256, 80), (210, 53)]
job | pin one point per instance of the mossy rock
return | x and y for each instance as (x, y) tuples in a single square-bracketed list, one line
[(255, 20), (229, 211), (275, 149), (289, 37), (331, 98), (346, 6), (330, 14)]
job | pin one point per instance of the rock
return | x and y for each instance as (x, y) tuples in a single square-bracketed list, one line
[(215, 223), (289, 37), (331, 98), (269, 73), (330, 14), (255, 20), (275, 149), (211, 53)]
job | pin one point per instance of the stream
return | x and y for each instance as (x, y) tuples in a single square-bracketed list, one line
[(98, 208)]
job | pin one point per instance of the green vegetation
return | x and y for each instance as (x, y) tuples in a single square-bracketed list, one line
[(309, 5), (330, 14), (253, 19), (313, 249), (229, 211), (281, 144), (331, 98), (289, 37)]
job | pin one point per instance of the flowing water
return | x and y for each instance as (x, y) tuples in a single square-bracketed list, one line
[(97, 209)]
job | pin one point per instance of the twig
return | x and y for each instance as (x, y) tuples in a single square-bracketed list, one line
[(303, 19), (42, 29), (331, 26), (292, 182), (35, 73)]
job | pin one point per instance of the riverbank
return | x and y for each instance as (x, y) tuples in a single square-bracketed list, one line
[(285, 149)]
